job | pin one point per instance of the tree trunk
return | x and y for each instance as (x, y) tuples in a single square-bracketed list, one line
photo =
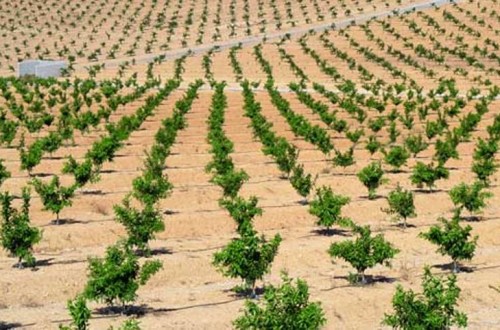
[(363, 277), (456, 269), (404, 222), (57, 219), (20, 263)]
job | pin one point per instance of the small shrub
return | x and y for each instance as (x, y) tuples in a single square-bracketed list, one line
[(241, 210), (371, 177), (364, 252), (327, 206), (415, 144), (285, 307), (453, 240), (302, 182), (248, 257), (344, 159), (54, 196), (231, 182), (118, 276), (16, 234), (397, 157), (469, 197), (141, 225), (4, 174), (435, 308), (428, 174), (401, 203), (80, 314)]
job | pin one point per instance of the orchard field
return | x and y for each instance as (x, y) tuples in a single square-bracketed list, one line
[(181, 126)]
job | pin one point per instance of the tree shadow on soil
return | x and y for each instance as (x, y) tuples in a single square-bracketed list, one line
[(49, 262), (373, 198), (67, 221), (14, 325), (402, 226), (370, 280), (332, 232), (141, 310), (428, 191), (449, 267)]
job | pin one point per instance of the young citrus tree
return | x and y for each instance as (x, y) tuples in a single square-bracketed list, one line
[(285, 307), (363, 253), (371, 177), (428, 174), (248, 257), (327, 207), (344, 159), (401, 203), (231, 182), (83, 172), (469, 197), (141, 225), (80, 314), (16, 234), (302, 182), (435, 308), (453, 240), (117, 277), (241, 210), (4, 174), (397, 156), (54, 196)]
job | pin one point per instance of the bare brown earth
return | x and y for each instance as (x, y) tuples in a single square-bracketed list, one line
[(188, 293)]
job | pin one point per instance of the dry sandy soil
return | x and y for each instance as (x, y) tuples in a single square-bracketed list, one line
[(189, 293)]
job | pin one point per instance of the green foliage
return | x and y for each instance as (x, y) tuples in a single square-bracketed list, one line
[(104, 150), (241, 210), (372, 145), (8, 130), (141, 225), (371, 177), (118, 276), (285, 154), (364, 252), (344, 159), (445, 150), (129, 325), (302, 182), (32, 156), (354, 136), (248, 257), (484, 169), (54, 196), (4, 174), (80, 314), (428, 174), (453, 240), (401, 203), (327, 207), (231, 182), (471, 197), (16, 234), (152, 185), (397, 157), (485, 164), (376, 124), (415, 144), (51, 142), (434, 309), (393, 132), (83, 172), (285, 307)]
